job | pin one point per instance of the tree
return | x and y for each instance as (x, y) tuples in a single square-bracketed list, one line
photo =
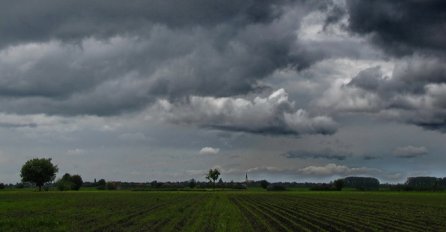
[(38, 171), (66, 177), (264, 184), (192, 183), (338, 184), (101, 184), (361, 183), (213, 175), (64, 183), (2, 186), (69, 182), (77, 182)]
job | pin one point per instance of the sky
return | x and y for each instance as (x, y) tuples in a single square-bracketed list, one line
[(167, 89)]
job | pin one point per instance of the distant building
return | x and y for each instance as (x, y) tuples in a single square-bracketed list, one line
[(247, 181)]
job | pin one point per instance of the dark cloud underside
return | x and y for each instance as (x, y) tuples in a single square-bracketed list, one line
[(401, 26)]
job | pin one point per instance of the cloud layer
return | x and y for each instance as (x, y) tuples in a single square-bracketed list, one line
[(143, 85), (271, 115), (108, 58)]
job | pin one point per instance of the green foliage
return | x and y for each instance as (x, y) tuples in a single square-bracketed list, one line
[(68, 182), (101, 184), (338, 184), (2, 186), (425, 183), (264, 184), (63, 185), (112, 186), (222, 211), (213, 175), (77, 182), (192, 183), (361, 183), (38, 171)]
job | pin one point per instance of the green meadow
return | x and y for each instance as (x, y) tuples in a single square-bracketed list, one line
[(222, 211)]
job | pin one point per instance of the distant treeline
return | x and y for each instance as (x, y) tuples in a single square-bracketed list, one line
[(423, 183), (420, 183)]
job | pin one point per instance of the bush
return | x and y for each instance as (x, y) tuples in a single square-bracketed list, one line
[(68, 182), (101, 184), (112, 185), (323, 187), (63, 185), (264, 184), (2, 186)]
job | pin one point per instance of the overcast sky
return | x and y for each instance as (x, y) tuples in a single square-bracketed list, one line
[(166, 89)]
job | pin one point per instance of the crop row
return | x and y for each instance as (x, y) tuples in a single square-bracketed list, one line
[(291, 213)]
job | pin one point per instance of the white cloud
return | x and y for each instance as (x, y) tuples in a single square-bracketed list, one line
[(332, 169), (274, 114), (327, 170), (209, 151)]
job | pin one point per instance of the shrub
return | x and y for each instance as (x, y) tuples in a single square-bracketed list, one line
[(264, 184), (63, 185), (101, 184), (112, 186)]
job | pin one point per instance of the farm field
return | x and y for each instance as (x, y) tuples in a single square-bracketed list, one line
[(222, 211)]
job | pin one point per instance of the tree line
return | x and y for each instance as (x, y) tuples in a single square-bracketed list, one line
[(41, 171)]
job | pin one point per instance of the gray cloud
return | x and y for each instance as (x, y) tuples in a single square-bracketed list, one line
[(335, 169), (414, 31), (371, 157), (410, 151), (401, 27), (108, 57), (73, 20), (322, 154), (271, 115), (99, 79), (413, 92), (327, 170)]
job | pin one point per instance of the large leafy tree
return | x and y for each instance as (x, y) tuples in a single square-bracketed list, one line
[(38, 171), (77, 182), (213, 175)]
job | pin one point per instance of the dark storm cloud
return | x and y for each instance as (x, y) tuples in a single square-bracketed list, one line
[(415, 93), (28, 20), (108, 57), (401, 26), (323, 154)]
